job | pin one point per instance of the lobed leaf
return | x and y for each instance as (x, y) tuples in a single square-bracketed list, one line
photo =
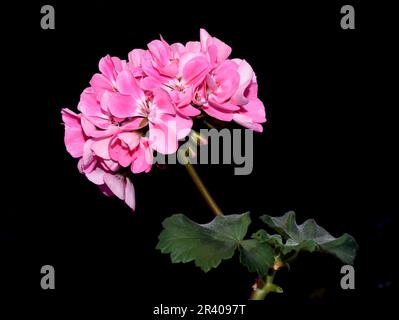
[(308, 236), (208, 244), (205, 244)]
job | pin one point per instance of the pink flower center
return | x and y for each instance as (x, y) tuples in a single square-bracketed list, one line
[(143, 109)]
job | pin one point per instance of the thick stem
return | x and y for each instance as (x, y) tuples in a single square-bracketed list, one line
[(203, 190), (269, 286)]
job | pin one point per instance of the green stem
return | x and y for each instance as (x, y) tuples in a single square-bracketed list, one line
[(203, 190), (269, 286)]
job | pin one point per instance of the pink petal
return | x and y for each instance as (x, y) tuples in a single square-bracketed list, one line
[(98, 133), (121, 106), (148, 68), (119, 64), (246, 75), (88, 160), (134, 124), (163, 137), (74, 141), (189, 111), (228, 78), (135, 57), (159, 51), (96, 176), (247, 122), (130, 197), (74, 137), (70, 118), (195, 70), (89, 104), (178, 49), (223, 50), (110, 165), (183, 125), (88, 128), (130, 138), (107, 67), (116, 183), (162, 102), (223, 115), (100, 123), (170, 70), (193, 46), (181, 98), (204, 36), (119, 153), (251, 91), (255, 110), (100, 147), (150, 83), (127, 85), (143, 158), (228, 106), (101, 84)]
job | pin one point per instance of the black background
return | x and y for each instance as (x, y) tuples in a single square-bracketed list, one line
[(327, 152)]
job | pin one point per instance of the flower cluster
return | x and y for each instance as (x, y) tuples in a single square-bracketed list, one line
[(147, 103)]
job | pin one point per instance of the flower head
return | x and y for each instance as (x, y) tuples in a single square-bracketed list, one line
[(148, 103)]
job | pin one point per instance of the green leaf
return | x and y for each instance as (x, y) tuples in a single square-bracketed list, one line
[(256, 256), (208, 244), (276, 241), (264, 237), (284, 225), (344, 247), (308, 236), (205, 244)]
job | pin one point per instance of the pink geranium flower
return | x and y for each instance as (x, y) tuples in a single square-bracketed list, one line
[(148, 103)]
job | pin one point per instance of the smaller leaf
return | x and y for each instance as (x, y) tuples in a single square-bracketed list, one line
[(284, 225), (308, 236), (256, 256), (264, 237)]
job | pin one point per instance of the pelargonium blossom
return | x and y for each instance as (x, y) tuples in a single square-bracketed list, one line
[(148, 103)]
